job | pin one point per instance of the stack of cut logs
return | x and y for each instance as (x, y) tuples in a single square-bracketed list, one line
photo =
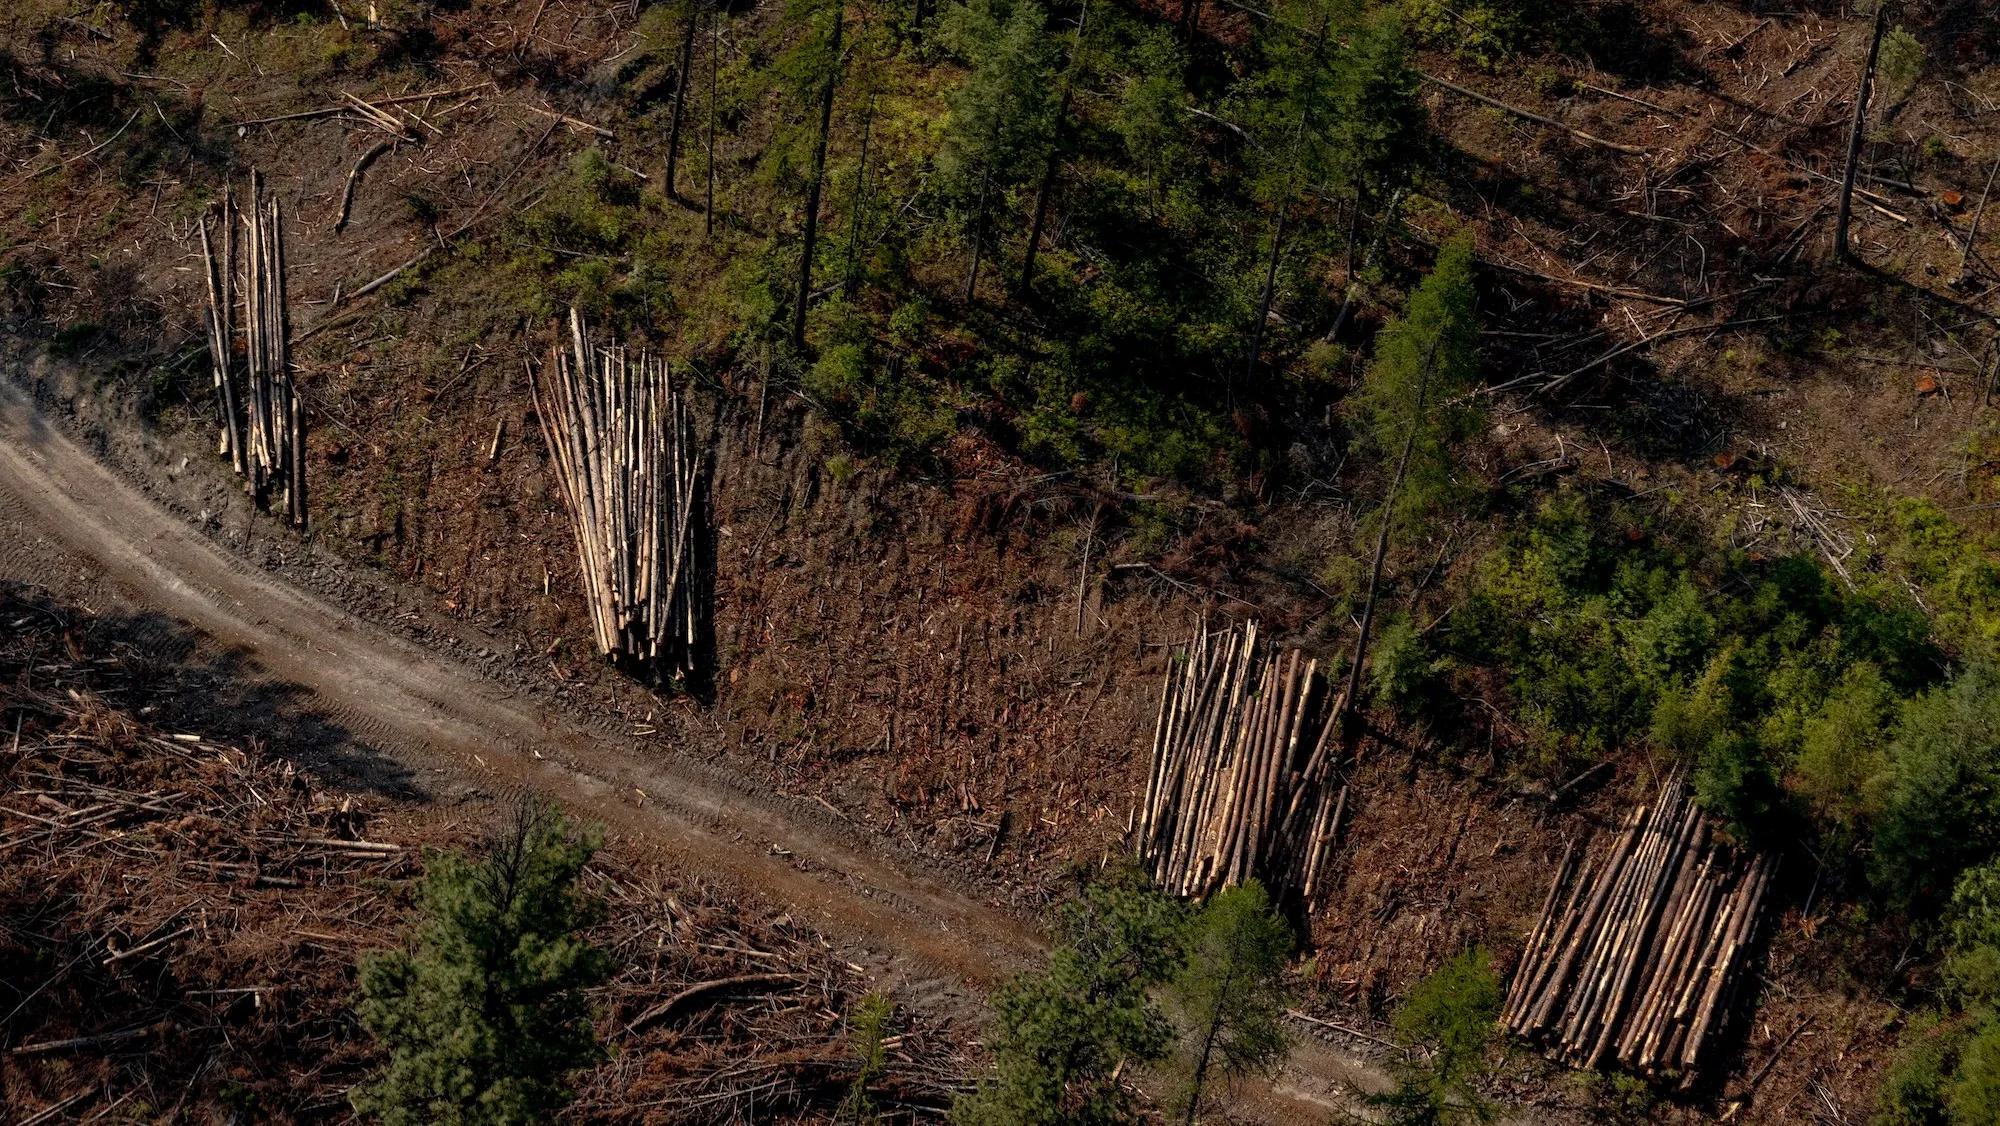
[(624, 449), (258, 411), (1636, 958), (1242, 762)]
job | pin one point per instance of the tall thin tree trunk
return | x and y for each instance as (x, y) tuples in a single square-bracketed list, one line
[(1190, 19), (818, 180), (1353, 690), (681, 83), (1840, 248), (1042, 194), (978, 233), (714, 65), (852, 277), (1374, 247), (1270, 293), (1054, 163), (1199, 1078)]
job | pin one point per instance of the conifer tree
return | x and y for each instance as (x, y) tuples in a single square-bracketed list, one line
[(1151, 115), (871, 1030), (1003, 114), (1288, 106), (1449, 1018), (814, 66), (1380, 131), (1059, 1035), (484, 1016), (690, 13), (1053, 148), (1412, 401), (1231, 990)]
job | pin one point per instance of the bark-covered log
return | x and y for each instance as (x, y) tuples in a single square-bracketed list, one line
[(1637, 952)]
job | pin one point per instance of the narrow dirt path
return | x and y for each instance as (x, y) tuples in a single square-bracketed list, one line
[(62, 513)]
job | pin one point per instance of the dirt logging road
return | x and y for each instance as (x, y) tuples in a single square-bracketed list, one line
[(427, 713), (64, 515)]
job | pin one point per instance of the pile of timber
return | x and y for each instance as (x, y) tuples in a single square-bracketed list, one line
[(1637, 957), (258, 410), (623, 442), (1241, 778)]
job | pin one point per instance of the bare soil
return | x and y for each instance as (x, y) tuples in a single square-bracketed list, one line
[(913, 656)]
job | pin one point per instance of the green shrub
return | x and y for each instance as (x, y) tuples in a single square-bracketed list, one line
[(1971, 967), (1841, 754), (1485, 33), (1408, 674), (1449, 1019), (1900, 64), (1941, 801), (1059, 1035), (1913, 1091), (1758, 675), (1973, 1098), (485, 1015)]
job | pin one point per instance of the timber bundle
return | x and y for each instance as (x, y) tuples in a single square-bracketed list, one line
[(624, 447), (258, 410), (1241, 771), (1640, 962)]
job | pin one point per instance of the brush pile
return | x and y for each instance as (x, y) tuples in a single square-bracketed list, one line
[(258, 410), (720, 1013), (1242, 767), (624, 448), (171, 904), (1636, 959)]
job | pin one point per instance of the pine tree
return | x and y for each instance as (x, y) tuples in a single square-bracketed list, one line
[(1059, 1035), (1289, 105), (1377, 117), (1413, 401), (484, 1016), (1231, 991), (1380, 124), (683, 76), (1003, 114), (813, 69), (1053, 148), (871, 1030), (1449, 1019), (1414, 390)]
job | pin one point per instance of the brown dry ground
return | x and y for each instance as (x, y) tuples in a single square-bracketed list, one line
[(905, 645), (214, 947)]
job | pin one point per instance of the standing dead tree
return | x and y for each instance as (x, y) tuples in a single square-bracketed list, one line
[(1855, 130), (1242, 768), (624, 448), (258, 409), (1637, 956)]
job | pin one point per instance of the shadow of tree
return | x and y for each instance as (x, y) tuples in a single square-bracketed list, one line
[(162, 671)]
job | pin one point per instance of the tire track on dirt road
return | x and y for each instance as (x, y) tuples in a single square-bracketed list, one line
[(431, 714), (926, 938)]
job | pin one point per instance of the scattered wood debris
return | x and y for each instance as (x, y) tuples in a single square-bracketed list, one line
[(623, 443), (1637, 958), (258, 409), (184, 913), (1241, 778)]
